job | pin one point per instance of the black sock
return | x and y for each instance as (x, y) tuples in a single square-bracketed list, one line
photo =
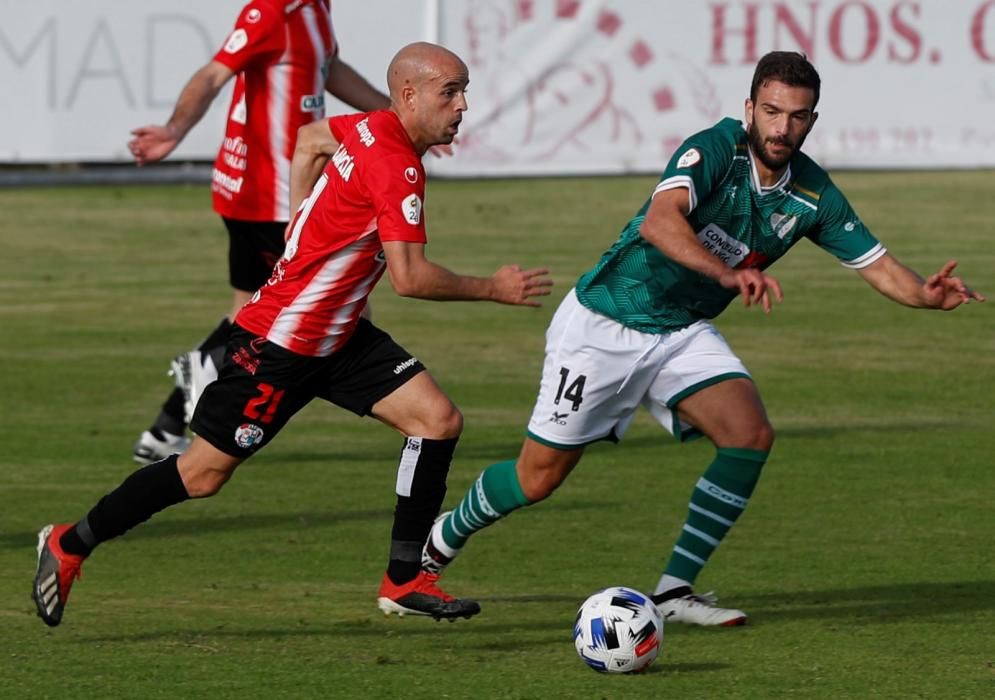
[(78, 540), (170, 419), (215, 344), (138, 498), (421, 488)]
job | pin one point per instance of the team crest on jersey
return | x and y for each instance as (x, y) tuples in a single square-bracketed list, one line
[(692, 156), (237, 41), (411, 208), (247, 435), (783, 224)]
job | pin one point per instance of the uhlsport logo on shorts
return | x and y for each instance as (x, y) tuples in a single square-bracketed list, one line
[(247, 435)]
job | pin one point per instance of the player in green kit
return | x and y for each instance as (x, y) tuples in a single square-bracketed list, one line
[(635, 330)]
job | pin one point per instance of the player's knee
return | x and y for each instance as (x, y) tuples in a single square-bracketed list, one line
[(445, 423), (202, 483), (539, 481), (763, 437)]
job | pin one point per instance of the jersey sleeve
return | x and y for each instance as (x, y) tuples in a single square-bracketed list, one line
[(397, 188), (340, 125), (840, 231), (258, 33), (699, 164)]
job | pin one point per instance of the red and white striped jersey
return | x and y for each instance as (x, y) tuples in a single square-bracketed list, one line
[(372, 190), (280, 52)]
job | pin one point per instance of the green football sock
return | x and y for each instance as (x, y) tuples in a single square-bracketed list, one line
[(494, 494), (719, 497)]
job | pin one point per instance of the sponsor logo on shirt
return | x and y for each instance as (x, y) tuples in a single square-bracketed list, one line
[(411, 175), (237, 41), (247, 435), (344, 163), (559, 418), (313, 103), (411, 208), (253, 16), (722, 245), (365, 135), (226, 184), (691, 157)]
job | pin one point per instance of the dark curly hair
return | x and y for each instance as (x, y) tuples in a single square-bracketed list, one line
[(789, 67)]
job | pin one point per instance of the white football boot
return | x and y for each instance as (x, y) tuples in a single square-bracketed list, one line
[(150, 449), (192, 371), (695, 609)]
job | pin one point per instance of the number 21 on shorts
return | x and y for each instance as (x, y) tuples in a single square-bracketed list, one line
[(262, 407)]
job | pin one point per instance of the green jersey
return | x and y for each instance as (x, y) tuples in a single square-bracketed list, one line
[(736, 219)]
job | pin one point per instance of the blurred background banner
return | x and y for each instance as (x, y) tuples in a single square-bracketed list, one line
[(557, 86)]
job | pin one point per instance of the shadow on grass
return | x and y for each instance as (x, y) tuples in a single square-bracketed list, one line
[(206, 526), (873, 605), (388, 628), (468, 451)]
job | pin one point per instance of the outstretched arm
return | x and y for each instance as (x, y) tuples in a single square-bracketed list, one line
[(939, 291), (412, 275), (352, 88), (666, 227), (154, 142)]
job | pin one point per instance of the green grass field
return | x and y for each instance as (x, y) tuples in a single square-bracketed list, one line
[(865, 558)]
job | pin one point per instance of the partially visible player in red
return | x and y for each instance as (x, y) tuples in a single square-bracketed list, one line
[(283, 56), (302, 336)]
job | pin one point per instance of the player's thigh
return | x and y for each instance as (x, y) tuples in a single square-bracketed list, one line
[(593, 378), (420, 407), (260, 386), (372, 375), (698, 365), (730, 413), (253, 249)]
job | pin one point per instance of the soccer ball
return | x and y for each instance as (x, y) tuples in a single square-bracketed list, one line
[(618, 630)]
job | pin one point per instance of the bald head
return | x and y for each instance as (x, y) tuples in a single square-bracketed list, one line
[(427, 86), (418, 63)]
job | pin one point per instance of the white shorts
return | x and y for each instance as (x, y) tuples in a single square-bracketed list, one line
[(597, 372)]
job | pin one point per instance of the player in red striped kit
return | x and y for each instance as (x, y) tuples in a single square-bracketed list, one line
[(283, 56), (302, 335)]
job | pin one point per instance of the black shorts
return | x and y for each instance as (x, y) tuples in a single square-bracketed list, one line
[(261, 385), (253, 249)]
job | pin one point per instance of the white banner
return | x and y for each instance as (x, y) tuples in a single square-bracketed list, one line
[(557, 86)]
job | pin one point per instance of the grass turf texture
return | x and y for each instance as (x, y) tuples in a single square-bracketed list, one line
[(865, 558)]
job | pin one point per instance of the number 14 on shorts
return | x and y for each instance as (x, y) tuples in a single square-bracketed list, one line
[(572, 391)]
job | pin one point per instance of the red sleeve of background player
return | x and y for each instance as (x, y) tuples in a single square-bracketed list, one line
[(258, 34), (397, 185)]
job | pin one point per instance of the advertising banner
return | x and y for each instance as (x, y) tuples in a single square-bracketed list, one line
[(556, 86)]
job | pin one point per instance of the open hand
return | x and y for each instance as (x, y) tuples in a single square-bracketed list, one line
[(513, 285)]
